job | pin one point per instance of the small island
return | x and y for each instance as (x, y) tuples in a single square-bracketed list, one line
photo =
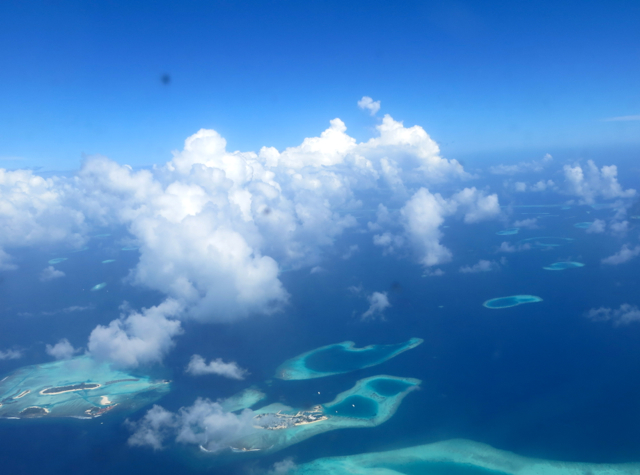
[(340, 358), (564, 265), (79, 387), (369, 403), (512, 301)]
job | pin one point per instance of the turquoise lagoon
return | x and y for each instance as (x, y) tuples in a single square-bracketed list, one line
[(455, 457), (108, 261), (98, 287), (512, 301), (340, 358), (564, 265), (584, 225), (361, 406), (80, 387)]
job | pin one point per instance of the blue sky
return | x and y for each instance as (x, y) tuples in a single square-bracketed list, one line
[(480, 77)]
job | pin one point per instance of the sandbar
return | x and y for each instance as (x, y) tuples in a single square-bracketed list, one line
[(508, 232), (340, 358), (108, 261), (511, 301)]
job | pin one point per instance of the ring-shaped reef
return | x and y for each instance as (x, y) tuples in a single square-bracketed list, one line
[(511, 301), (583, 225), (369, 403), (340, 358), (508, 232), (457, 456), (545, 242), (564, 265), (80, 387)]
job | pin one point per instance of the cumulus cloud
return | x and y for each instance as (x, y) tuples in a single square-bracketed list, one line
[(522, 167), (50, 273), (481, 266), (198, 366), (366, 103), (529, 223), (598, 226), (283, 467), (138, 338), (433, 273), (10, 354), (624, 315), (509, 248), (589, 182), (424, 213), (63, 350), (205, 424), (623, 255), (35, 211), (378, 303)]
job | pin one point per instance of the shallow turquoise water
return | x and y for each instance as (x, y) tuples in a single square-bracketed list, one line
[(388, 387), (440, 468), (338, 359), (354, 406), (512, 301)]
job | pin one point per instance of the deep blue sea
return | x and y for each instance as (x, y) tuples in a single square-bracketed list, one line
[(538, 379)]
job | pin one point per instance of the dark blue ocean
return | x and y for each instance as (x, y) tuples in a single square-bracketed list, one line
[(538, 379)]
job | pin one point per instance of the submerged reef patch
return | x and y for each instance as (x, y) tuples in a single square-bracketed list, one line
[(545, 242), (80, 387), (511, 301), (584, 225), (340, 358), (564, 265), (57, 260), (98, 286), (508, 232), (457, 456)]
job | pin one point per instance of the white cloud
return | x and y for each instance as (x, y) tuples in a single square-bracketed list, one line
[(204, 423), (590, 183), (378, 303), (522, 167), (353, 249), (481, 266), (507, 247), (543, 185), (50, 273), (520, 186), (138, 338), (283, 467), (619, 228), (598, 226), (10, 354), (198, 366), (369, 104), (63, 350), (529, 223), (623, 255), (424, 213), (433, 273), (623, 118), (624, 315), (35, 211)]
